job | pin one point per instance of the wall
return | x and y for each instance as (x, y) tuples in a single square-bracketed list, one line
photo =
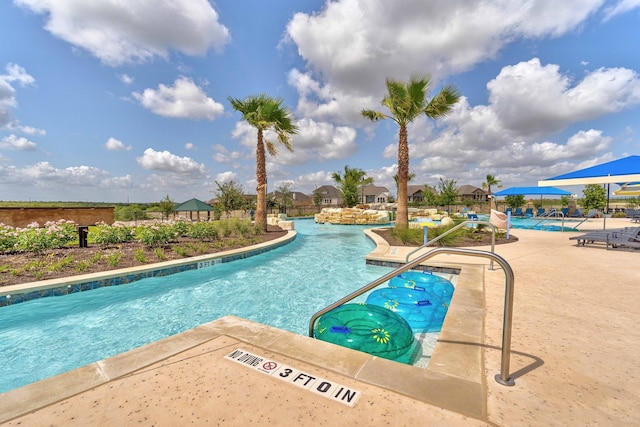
[(21, 217), (352, 216)]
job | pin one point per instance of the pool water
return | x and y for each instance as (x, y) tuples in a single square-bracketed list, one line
[(544, 224), (281, 288)]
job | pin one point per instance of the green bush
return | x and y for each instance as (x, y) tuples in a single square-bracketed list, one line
[(104, 234), (203, 231), (156, 234), (56, 234)]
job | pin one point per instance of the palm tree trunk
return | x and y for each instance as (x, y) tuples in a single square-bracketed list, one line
[(402, 215), (261, 189)]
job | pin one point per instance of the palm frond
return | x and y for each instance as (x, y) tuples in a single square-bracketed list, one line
[(372, 115), (271, 148), (441, 104)]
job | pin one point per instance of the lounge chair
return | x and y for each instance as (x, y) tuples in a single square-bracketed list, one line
[(577, 214), (592, 237), (633, 214), (541, 211), (518, 212), (528, 212), (565, 211), (626, 240), (604, 236)]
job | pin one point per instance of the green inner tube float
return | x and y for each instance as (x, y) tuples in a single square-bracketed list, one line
[(368, 328)]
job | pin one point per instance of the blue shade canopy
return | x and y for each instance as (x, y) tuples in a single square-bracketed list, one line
[(626, 169), (530, 191)]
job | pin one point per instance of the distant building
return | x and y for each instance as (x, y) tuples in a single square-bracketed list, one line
[(373, 194), (415, 193), (330, 195), (471, 192)]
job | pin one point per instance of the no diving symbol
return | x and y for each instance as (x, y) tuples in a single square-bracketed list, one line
[(270, 365)]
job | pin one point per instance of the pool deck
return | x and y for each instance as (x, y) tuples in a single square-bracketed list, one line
[(574, 348)]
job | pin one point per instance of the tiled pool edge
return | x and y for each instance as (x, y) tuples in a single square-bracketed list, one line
[(15, 294)]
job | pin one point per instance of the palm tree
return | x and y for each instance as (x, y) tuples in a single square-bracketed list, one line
[(490, 180), (265, 113), (348, 184), (406, 101)]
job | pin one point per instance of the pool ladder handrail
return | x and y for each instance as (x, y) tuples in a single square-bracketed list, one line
[(503, 377), (547, 216)]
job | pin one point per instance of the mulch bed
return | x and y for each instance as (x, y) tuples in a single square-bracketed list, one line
[(18, 268)]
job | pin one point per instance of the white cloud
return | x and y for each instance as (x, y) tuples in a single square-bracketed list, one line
[(622, 6), (189, 146), (13, 142), (354, 45), (226, 177), (534, 99), (166, 161), (223, 155), (29, 130), (14, 74), (319, 141), (119, 32), (46, 174), (183, 100), (125, 78), (113, 144), (352, 39)]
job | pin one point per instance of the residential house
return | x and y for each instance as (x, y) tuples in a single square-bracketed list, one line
[(330, 196), (373, 194), (415, 193), (469, 192)]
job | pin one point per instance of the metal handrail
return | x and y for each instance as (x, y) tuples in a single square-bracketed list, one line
[(548, 216), (503, 377), (493, 238)]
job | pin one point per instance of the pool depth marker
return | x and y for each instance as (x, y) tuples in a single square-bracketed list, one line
[(321, 386)]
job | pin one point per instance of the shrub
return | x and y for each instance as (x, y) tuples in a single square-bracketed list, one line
[(8, 238), (113, 259), (203, 231), (156, 234), (139, 256), (54, 234), (104, 234), (159, 253)]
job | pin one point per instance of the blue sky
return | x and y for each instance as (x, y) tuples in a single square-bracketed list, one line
[(103, 100)]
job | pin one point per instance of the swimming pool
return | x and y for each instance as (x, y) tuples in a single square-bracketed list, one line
[(544, 224), (281, 288)]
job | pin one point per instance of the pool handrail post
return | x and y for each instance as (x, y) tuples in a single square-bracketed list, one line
[(503, 377)]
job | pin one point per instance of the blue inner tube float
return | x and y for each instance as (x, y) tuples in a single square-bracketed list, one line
[(424, 281), (424, 311), (370, 329)]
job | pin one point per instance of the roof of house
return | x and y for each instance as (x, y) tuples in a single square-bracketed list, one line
[(469, 189), (372, 190), (330, 191), (413, 189)]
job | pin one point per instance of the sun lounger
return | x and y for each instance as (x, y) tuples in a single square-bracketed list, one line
[(606, 236), (626, 240)]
